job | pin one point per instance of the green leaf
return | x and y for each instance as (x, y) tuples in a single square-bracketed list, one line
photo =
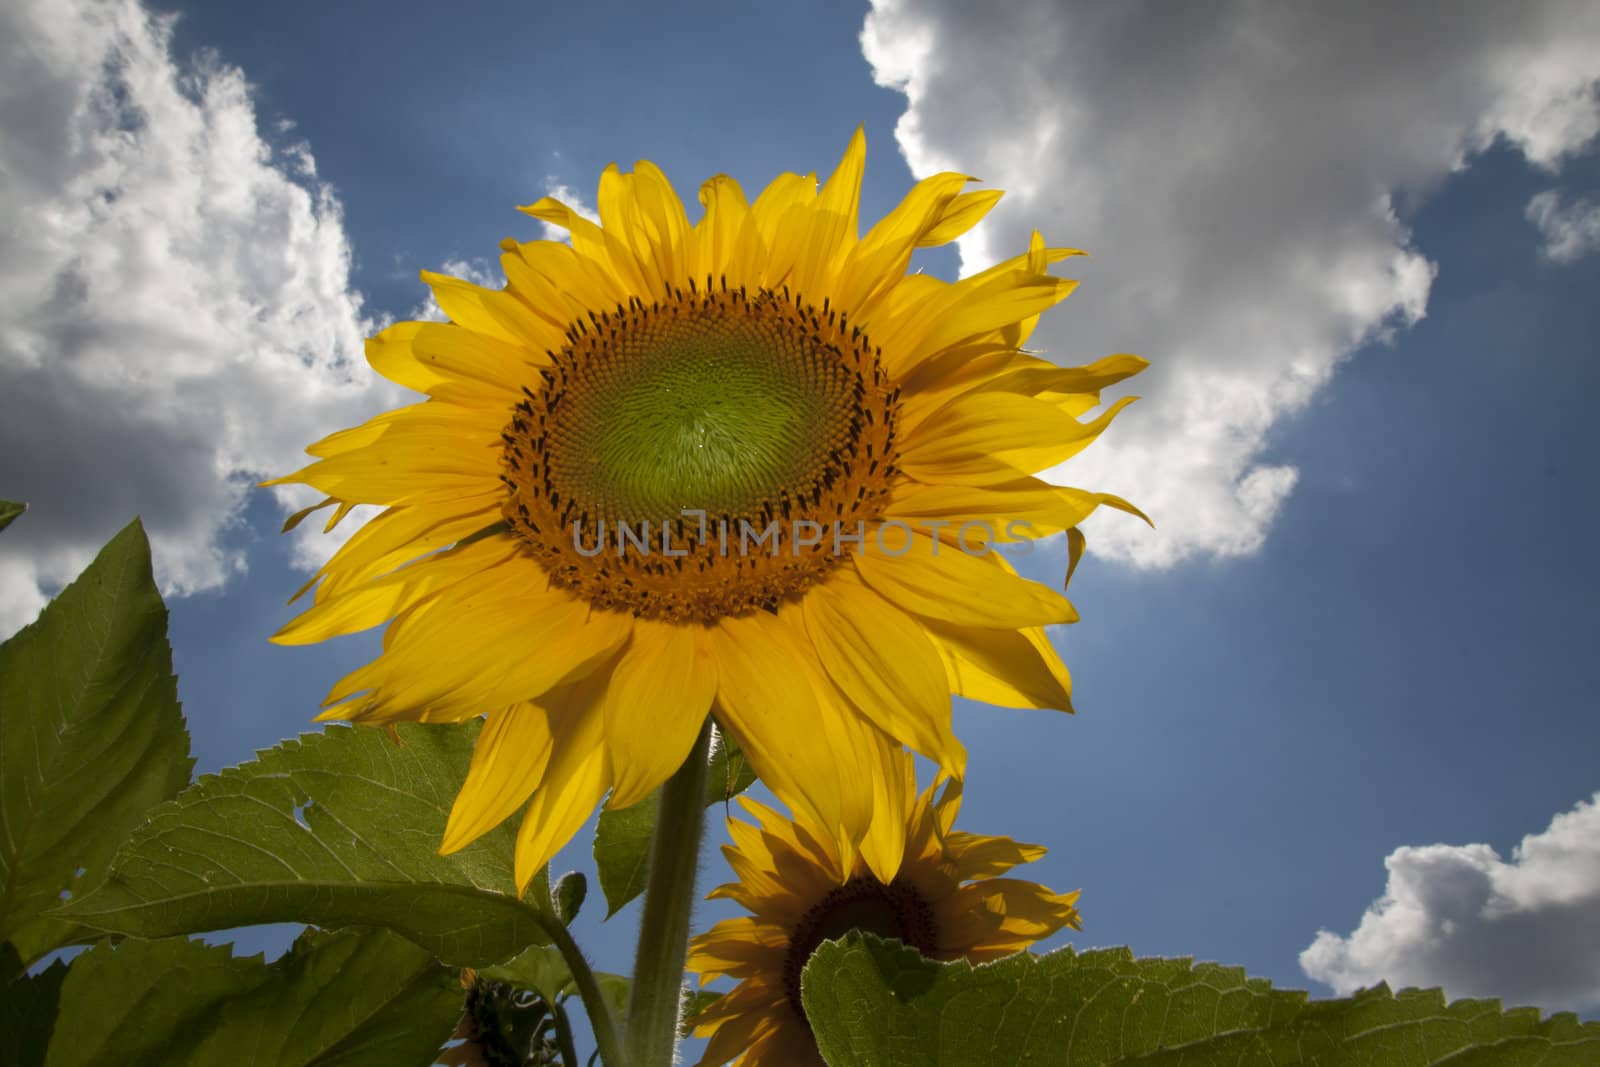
[(731, 773), (351, 998), (539, 968), (879, 1003), (9, 510), (568, 896), (622, 836), (334, 829), (28, 1013), (91, 738), (622, 851)]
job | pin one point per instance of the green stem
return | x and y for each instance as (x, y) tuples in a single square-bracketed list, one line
[(594, 1001), (569, 1051), (653, 1001)]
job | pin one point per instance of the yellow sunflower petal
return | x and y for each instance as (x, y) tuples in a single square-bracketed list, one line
[(433, 447), (488, 311), (760, 887), (963, 213), (1007, 668), (403, 534), (788, 1044), (1012, 511), (835, 218), (643, 208), (981, 856), (947, 807), (781, 218), (882, 660), (740, 947), (990, 366), (562, 283), (970, 308), (379, 601), (522, 644), (991, 437), (775, 879), (786, 835), (1061, 383), (872, 758), (575, 779), (746, 997), (654, 704), (997, 916), (816, 755), (940, 581), (885, 849), (874, 264), (389, 353), (717, 235), (549, 209), (740, 1031), (665, 220), (507, 762), (592, 244)]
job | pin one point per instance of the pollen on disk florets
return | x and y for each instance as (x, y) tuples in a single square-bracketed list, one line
[(703, 455)]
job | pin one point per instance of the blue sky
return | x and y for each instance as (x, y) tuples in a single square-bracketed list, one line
[(1358, 248)]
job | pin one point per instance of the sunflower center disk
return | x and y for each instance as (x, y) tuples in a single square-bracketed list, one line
[(895, 911), (702, 456)]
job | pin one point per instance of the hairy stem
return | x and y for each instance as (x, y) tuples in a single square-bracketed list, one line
[(594, 1002), (653, 1001)]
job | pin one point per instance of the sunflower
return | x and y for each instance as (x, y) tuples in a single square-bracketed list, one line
[(747, 466), (946, 900)]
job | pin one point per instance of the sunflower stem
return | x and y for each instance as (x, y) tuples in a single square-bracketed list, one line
[(569, 1051), (653, 1002), (606, 1040)]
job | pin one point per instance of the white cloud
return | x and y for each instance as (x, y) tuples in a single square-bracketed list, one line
[(1231, 167), (1571, 229), (1460, 917), (178, 320)]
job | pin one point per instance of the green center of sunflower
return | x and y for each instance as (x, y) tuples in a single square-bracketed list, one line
[(700, 407), (702, 456), (895, 911)]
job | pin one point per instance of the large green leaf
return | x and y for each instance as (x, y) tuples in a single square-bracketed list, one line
[(351, 998), (9, 510), (879, 1003), (334, 829), (28, 1012), (91, 738), (622, 836)]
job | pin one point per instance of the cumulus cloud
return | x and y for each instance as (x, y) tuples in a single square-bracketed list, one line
[(1570, 228), (178, 320), (1233, 167), (1526, 931)]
